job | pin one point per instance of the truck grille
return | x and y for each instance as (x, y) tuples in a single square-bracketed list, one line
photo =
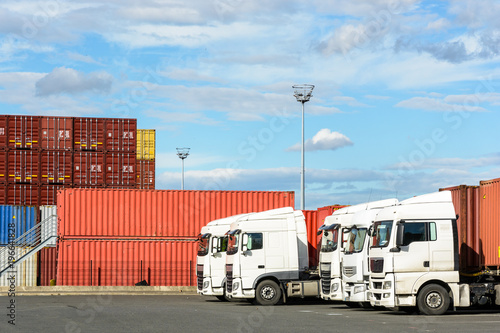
[(199, 275), (229, 278), (377, 265), (326, 277), (349, 271)]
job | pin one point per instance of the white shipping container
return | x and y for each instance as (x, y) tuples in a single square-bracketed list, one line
[(24, 274), (49, 228)]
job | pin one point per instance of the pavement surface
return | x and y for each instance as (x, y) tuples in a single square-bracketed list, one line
[(194, 313)]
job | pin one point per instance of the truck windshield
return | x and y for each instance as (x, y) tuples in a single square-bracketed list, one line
[(381, 233), (329, 240), (355, 240), (232, 244), (203, 246)]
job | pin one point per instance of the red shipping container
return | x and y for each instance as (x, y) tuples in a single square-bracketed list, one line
[(312, 237), (96, 213), (3, 132), (56, 167), (56, 133), (490, 223), (126, 262), (120, 169), (145, 174), (121, 135), (3, 167), (22, 195), (47, 260), (23, 166), (23, 132), (48, 194), (89, 133), (88, 168), (323, 212), (466, 202)]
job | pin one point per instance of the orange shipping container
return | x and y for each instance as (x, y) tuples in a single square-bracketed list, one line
[(23, 166), (121, 135), (126, 262), (490, 222), (312, 238), (56, 133), (56, 167), (98, 213)]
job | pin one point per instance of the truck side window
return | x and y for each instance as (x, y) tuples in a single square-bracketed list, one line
[(254, 241), (414, 232), (432, 231)]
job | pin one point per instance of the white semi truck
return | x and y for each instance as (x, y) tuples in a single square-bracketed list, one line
[(267, 258), (211, 258), (341, 231), (414, 259)]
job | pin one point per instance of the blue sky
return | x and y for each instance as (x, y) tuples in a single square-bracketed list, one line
[(406, 100)]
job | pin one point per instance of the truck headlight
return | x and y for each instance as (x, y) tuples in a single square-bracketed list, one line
[(335, 286), (359, 289), (387, 295), (387, 285), (205, 285), (236, 285)]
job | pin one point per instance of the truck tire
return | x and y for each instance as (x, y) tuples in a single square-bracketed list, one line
[(433, 299), (267, 292)]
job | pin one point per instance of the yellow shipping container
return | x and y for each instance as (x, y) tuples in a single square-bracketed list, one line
[(146, 144)]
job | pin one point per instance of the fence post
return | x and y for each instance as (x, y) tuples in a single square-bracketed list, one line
[(190, 272), (91, 272)]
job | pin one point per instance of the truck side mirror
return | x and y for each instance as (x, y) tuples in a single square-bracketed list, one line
[(215, 245), (400, 233), (244, 243)]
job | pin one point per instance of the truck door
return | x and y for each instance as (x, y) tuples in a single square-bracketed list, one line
[(413, 255), (253, 260), (217, 260)]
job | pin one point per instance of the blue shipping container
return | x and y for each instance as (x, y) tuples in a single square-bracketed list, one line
[(23, 219)]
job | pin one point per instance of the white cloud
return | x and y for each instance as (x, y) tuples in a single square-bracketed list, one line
[(82, 58), (68, 80), (433, 104), (325, 139), (439, 24)]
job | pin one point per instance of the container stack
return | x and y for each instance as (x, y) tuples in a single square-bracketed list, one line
[(145, 159)]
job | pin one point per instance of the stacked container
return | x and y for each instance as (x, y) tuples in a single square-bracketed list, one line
[(146, 159)]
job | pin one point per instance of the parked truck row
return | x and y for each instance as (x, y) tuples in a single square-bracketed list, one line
[(399, 255)]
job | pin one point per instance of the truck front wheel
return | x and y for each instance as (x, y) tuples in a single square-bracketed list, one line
[(267, 293), (433, 299)]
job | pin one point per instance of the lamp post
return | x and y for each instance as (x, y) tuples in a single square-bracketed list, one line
[(183, 154), (303, 93)]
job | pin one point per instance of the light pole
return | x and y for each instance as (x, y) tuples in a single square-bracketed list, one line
[(303, 93), (183, 154)]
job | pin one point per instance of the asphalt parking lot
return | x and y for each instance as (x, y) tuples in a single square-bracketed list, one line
[(193, 313)]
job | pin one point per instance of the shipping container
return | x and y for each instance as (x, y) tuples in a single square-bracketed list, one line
[(24, 274), (88, 168), (126, 262), (3, 132), (15, 221), (490, 222), (21, 194), (145, 174), (146, 139), (466, 202), (323, 212), (312, 237), (56, 133), (47, 195), (56, 167), (3, 166), (23, 166), (47, 264), (121, 135), (23, 132), (48, 218), (120, 168), (89, 133), (148, 213)]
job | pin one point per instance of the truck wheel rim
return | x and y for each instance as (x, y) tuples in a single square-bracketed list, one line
[(267, 292), (434, 300)]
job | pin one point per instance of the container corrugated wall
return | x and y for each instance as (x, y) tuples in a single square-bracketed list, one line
[(56, 133), (145, 174), (146, 144), (312, 238), (323, 212), (490, 222), (466, 202), (126, 262), (25, 273), (130, 213), (47, 265), (22, 218), (121, 135)]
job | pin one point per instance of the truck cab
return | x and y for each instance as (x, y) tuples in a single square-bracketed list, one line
[(267, 252), (211, 257)]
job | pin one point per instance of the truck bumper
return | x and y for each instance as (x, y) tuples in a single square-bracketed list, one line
[(381, 292), (209, 289), (356, 292), (238, 292), (331, 290)]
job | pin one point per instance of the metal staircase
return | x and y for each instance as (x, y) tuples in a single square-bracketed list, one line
[(29, 243)]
